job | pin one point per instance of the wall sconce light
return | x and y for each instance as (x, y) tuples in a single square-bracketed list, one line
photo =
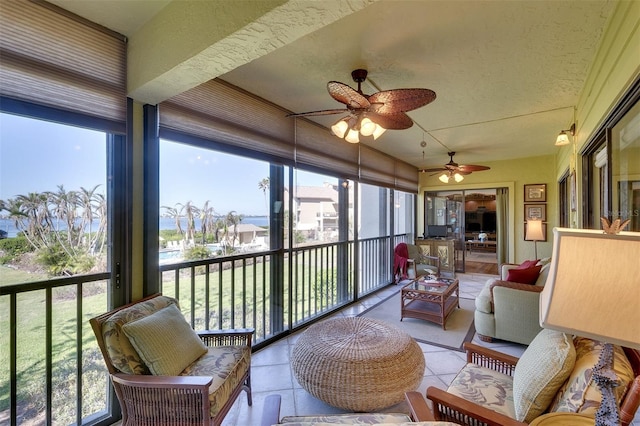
[(345, 183), (563, 137), (348, 128), (446, 177)]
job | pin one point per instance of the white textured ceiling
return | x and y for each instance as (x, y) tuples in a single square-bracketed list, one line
[(507, 74)]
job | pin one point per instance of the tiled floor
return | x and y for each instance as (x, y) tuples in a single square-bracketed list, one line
[(271, 372)]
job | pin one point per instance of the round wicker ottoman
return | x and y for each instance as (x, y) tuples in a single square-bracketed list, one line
[(357, 364)]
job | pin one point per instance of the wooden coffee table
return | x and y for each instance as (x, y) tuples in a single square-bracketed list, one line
[(430, 300)]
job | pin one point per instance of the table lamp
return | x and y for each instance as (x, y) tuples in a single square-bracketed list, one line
[(534, 233), (593, 291)]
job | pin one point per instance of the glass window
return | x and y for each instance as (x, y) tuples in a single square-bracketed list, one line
[(211, 203), (625, 169), (404, 207), (374, 205), (53, 224), (316, 208)]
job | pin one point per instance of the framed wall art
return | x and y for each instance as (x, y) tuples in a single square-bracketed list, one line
[(535, 211), (535, 193)]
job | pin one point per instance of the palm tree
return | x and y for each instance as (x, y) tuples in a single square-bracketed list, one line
[(264, 186), (190, 212), (232, 219), (174, 212), (207, 220)]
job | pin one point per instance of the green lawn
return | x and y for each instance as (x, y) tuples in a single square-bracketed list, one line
[(12, 276), (31, 328)]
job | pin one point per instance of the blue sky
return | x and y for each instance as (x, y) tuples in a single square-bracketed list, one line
[(37, 156)]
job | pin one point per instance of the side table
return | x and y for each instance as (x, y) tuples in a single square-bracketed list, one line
[(430, 300)]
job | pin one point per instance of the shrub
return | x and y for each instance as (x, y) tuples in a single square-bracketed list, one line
[(197, 253), (14, 247)]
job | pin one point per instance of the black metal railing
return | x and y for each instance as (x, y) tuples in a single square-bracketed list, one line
[(55, 372)]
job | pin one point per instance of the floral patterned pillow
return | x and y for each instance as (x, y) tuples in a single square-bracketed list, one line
[(123, 356), (580, 394)]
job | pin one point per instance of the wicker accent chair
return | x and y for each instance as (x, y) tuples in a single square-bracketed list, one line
[(200, 394), (577, 395)]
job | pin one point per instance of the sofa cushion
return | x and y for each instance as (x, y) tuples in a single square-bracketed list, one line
[(528, 264), (227, 365), (580, 394), (524, 276), (165, 341), (122, 354), (486, 387), (539, 373)]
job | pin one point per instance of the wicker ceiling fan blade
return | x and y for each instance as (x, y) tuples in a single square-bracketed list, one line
[(347, 95), (400, 100), (472, 168), (399, 121)]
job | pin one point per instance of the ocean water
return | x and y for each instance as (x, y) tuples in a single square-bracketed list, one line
[(8, 225)]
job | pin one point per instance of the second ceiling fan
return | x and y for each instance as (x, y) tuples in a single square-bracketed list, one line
[(454, 170), (371, 115)]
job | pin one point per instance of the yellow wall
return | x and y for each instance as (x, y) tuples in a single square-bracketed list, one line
[(512, 174), (615, 67)]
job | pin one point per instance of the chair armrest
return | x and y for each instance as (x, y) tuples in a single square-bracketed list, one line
[(271, 411), (516, 286), (420, 411), (448, 407), (488, 358), (231, 337), (169, 382)]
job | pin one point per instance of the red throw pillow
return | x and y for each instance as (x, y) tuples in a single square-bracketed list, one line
[(524, 276), (528, 264)]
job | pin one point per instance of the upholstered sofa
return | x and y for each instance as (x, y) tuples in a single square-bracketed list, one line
[(508, 310), (554, 375)]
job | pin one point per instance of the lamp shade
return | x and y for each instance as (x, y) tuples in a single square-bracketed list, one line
[(562, 139), (534, 230), (593, 286)]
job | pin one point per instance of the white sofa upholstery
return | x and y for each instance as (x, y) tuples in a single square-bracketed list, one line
[(509, 311)]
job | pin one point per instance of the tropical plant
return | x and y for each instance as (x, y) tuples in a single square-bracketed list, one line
[(59, 225), (263, 185)]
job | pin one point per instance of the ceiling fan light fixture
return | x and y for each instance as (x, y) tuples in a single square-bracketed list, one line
[(444, 178), (367, 127), (458, 177), (378, 132), (352, 136), (340, 128)]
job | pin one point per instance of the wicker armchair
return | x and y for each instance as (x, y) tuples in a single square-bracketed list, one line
[(450, 407), (201, 394)]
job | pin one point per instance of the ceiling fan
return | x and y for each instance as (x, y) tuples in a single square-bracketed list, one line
[(454, 170), (371, 115)]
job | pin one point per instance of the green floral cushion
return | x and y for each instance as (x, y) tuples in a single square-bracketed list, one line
[(539, 373), (165, 341), (227, 365), (123, 356), (580, 394), (485, 387)]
